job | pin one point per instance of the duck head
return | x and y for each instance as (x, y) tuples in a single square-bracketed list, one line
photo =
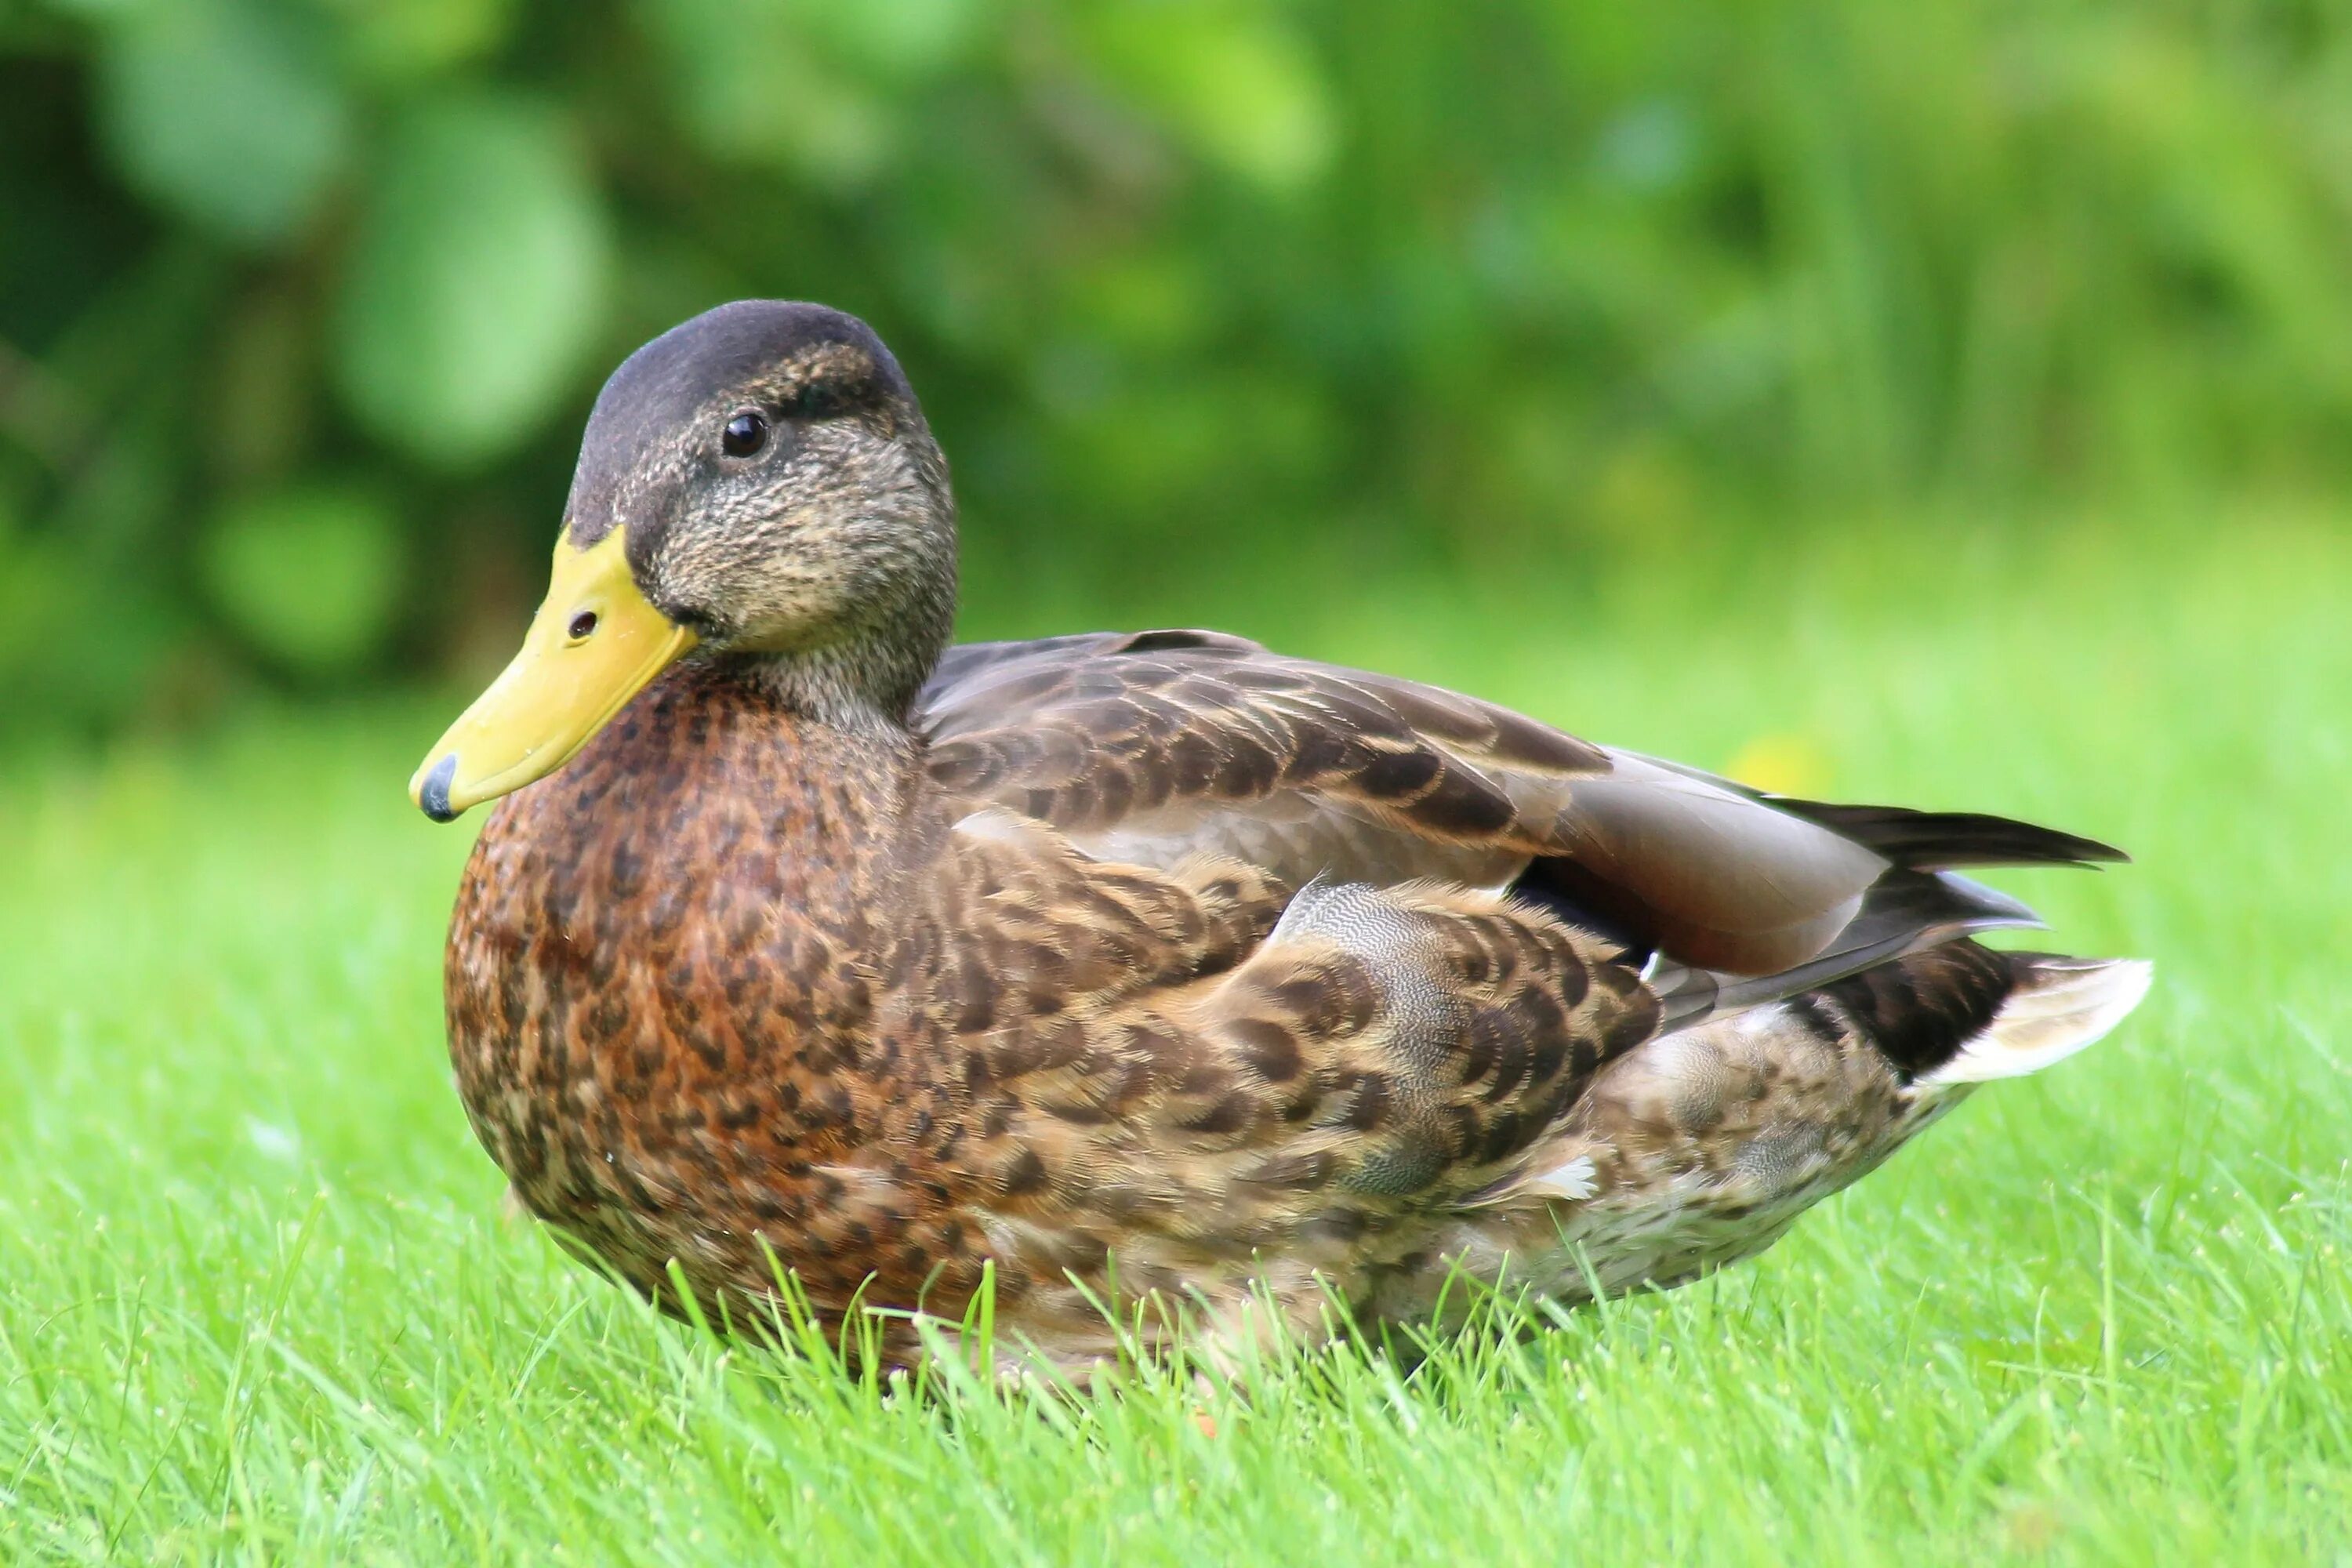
[(757, 485)]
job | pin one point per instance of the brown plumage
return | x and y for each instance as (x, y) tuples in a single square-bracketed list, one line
[(1157, 966)]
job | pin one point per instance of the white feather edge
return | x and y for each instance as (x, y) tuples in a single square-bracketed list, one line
[(2076, 1002)]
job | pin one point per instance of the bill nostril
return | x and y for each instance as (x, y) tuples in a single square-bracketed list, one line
[(583, 623)]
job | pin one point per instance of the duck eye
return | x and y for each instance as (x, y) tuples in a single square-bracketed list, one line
[(582, 625), (745, 434)]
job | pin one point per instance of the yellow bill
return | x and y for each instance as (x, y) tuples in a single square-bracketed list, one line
[(594, 645)]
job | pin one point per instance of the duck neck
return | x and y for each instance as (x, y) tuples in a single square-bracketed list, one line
[(865, 674), (861, 687)]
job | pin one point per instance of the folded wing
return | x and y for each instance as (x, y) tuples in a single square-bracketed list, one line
[(1148, 748)]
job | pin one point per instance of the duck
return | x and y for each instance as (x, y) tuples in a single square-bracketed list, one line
[(1123, 989)]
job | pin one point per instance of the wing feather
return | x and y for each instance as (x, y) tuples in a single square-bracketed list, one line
[(1155, 747)]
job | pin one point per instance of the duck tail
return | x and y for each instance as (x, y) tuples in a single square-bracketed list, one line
[(2055, 1006), (1964, 1014)]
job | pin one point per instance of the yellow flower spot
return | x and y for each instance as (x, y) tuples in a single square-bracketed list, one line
[(1780, 764)]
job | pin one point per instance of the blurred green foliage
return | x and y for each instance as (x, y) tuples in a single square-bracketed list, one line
[(301, 301)]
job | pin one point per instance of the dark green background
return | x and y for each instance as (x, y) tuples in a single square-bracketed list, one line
[(1218, 307)]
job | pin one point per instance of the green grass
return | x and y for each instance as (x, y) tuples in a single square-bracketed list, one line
[(257, 1302)]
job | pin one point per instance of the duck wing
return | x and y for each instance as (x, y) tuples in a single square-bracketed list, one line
[(1154, 747)]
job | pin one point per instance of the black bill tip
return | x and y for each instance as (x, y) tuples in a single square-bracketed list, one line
[(434, 796)]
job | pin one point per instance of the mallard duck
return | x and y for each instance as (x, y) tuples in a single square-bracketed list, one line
[(1155, 969)]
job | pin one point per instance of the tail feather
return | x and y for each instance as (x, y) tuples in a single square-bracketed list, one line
[(1964, 1013), (2057, 1006)]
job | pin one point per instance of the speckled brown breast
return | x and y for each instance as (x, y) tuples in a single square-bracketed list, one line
[(661, 998)]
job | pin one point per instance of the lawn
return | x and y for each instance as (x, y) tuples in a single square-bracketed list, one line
[(257, 1300)]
